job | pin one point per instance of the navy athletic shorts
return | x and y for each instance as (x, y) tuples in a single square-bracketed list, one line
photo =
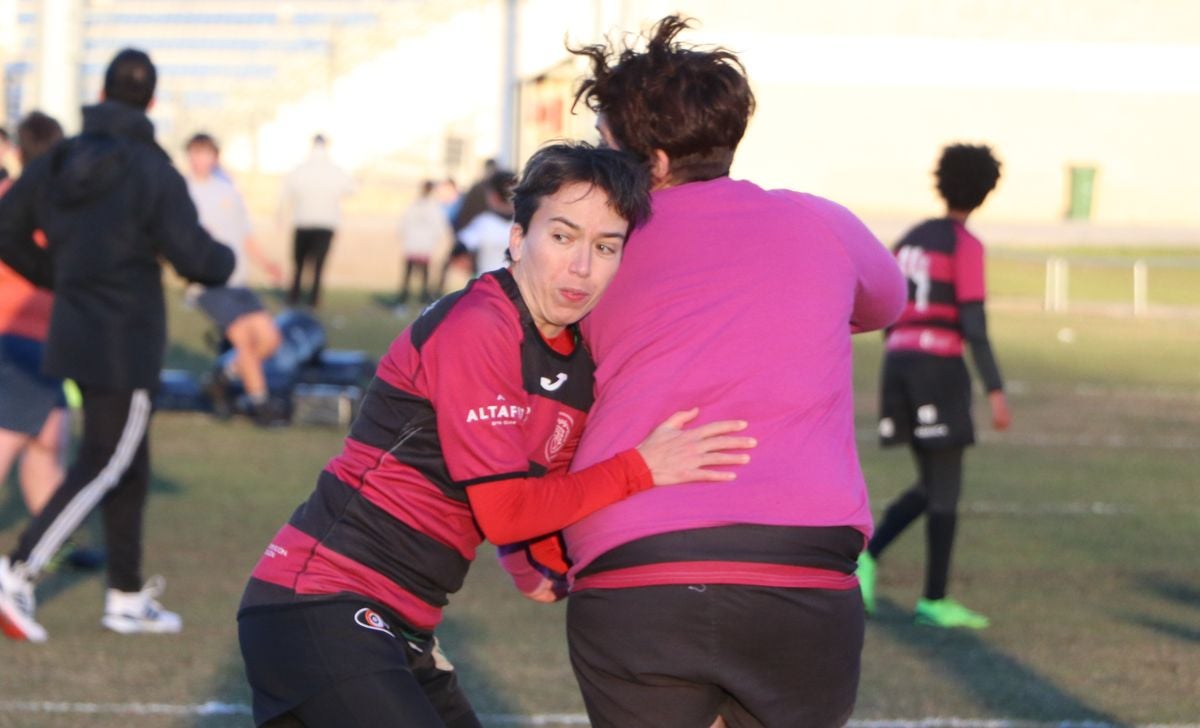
[(26, 396), (925, 401), (678, 656), (347, 663), (224, 305)]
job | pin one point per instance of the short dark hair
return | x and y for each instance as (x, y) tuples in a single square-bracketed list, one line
[(692, 103), (319, 140), (203, 139), (618, 175), (131, 78), (966, 174), (427, 187), (37, 134)]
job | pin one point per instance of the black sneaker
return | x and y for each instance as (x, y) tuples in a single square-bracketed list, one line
[(216, 387), (275, 412)]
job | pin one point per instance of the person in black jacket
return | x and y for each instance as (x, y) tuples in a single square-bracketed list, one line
[(111, 205)]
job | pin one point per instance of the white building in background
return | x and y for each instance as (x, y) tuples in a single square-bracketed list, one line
[(855, 99)]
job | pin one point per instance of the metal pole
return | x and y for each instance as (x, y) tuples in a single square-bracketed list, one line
[(507, 154), (1141, 288), (60, 38)]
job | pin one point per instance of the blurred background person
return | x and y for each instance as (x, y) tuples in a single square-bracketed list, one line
[(474, 200), (113, 207), (925, 396), (34, 419), (313, 194), (486, 237), (5, 148), (235, 309), (425, 232)]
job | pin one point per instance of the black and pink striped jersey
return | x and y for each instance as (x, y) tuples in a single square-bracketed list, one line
[(943, 263), (469, 394)]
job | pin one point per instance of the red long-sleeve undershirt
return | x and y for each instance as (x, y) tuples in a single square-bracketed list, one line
[(520, 509)]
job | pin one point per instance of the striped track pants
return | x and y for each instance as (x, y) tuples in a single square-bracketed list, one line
[(112, 471)]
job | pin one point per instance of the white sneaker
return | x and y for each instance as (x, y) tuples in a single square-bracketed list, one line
[(17, 604), (139, 612)]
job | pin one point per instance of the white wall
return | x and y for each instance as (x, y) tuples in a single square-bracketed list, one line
[(856, 98)]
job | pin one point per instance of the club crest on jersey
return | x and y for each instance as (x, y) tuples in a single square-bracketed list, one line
[(370, 619), (562, 430)]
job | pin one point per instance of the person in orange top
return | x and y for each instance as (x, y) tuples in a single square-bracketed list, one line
[(33, 414)]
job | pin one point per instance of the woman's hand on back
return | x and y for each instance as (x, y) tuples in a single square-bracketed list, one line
[(675, 455)]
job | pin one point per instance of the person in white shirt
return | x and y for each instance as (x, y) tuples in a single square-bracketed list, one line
[(425, 233), (234, 308), (313, 192), (487, 235)]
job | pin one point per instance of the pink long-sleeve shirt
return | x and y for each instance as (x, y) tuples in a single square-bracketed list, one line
[(740, 301)]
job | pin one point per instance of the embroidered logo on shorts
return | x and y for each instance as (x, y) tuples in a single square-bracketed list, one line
[(370, 619), (927, 414), (887, 428)]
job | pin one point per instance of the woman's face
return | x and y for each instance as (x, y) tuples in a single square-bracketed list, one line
[(568, 256)]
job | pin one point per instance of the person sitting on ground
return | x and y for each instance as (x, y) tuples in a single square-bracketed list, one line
[(234, 308)]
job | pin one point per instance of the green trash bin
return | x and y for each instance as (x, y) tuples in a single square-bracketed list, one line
[(1083, 183)]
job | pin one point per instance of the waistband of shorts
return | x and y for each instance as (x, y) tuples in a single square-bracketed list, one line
[(303, 601)]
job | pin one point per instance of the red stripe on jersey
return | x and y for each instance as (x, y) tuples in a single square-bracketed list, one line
[(404, 494), (401, 360), (939, 342), (941, 266), (718, 572), (296, 561), (969, 284)]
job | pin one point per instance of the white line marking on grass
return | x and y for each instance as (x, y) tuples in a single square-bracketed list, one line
[(212, 707), (1046, 509), (215, 707)]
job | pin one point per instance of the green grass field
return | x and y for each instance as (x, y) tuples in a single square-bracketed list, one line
[(1080, 539), (1098, 275)]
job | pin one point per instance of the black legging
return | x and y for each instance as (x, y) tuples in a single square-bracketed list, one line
[(419, 266), (936, 493), (111, 471), (370, 701), (309, 245)]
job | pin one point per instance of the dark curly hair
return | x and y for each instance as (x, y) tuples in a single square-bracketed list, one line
[(618, 175), (693, 103), (966, 174)]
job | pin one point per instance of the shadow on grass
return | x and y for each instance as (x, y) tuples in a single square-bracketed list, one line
[(1001, 685), (1169, 589), (229, 687)]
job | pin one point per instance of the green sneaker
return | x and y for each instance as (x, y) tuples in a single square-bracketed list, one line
[(866, 580), (948, 614)]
